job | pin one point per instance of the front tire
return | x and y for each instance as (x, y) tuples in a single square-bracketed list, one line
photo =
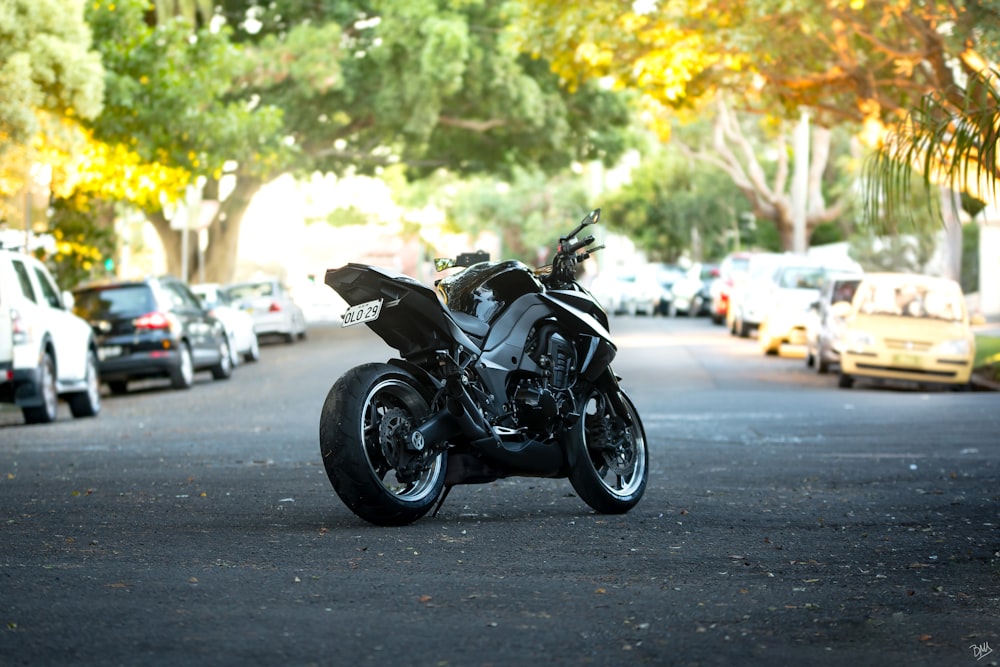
[(87, 403), (224, 369), (182, 376), (609, 454), (365, 421)]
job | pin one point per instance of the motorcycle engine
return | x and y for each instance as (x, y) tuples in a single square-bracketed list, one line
[(539, 400)]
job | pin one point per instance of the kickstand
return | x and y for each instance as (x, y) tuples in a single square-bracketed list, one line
[(444, 495)]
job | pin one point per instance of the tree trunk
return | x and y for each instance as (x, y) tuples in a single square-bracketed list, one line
[(224, 232), (950, 207), (770, 200), (223, 236)]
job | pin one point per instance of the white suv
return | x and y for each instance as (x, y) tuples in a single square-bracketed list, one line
[(46, 352)]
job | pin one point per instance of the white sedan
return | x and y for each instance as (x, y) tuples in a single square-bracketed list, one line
[(238, 324), (272, 308)]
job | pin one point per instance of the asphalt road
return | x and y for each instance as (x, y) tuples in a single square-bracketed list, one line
[(786, 522)]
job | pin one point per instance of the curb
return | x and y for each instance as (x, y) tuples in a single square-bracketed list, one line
[(983, 382)]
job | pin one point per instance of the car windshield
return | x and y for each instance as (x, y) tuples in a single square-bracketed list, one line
[(801, 278), (250, 291), (122, 301), (910, 300)]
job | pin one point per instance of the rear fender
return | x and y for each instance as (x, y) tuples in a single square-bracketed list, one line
[(413, 320)]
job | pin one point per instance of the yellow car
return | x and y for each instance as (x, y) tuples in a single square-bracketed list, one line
[(907, 327)]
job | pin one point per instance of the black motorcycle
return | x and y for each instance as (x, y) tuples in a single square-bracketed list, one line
[(503, 371)]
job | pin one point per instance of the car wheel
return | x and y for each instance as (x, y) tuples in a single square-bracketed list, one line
[(742, 328), (768, 345), (46, 412), (234, 354), (845, 381), (182, 375), (253, 354), (87, 403), (810, 358), (822, 365), (224, 369)]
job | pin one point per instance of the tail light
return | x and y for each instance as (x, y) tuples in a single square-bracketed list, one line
[(154, 320), (19, 328), (275, 307)]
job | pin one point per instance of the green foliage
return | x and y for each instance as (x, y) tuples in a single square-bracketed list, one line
[(429, 84), (82, 243), (528, 213), (46, 63), (672, 203), (168, 93), (970, 258)]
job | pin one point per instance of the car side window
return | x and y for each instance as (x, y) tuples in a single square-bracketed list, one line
[(183, 298), (49, 292), (24, 280)]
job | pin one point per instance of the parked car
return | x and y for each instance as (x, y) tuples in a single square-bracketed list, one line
[(46, 352), (150, 328), (692, 292), (793, 287), (907, 327), (824, 325), (748, 297), (272, 308), (732, 271), (661, 278), (243, 343)]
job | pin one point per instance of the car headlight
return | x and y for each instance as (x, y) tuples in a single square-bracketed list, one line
[(957, 346), (858, 341)]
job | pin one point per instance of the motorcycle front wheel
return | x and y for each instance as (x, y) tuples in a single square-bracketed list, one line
[(609, 454), (366, 420)]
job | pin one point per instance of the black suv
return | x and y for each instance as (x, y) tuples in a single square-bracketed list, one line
[(151, 328)]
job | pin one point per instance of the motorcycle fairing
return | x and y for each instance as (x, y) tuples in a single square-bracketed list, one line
[(413, 319)]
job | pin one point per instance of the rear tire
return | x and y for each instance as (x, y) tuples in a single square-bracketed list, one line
[(367, 416), (87, 403), (253, 354), (47, 411), (610, 459)]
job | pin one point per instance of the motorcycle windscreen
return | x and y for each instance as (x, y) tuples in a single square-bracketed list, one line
[(412, 320)]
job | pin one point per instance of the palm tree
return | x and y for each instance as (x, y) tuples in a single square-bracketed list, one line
[(951, 139)]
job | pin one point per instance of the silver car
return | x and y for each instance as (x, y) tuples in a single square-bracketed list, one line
[(272, 308), (824, 328)]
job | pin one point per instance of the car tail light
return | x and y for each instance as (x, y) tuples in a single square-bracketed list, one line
[(154, 320), (274, 308), (19, 328)]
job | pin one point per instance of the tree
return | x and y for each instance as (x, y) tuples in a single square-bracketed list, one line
[(334, 86), (46, 63), (770, 194), (49, 80), (867, 63), (671, 208)]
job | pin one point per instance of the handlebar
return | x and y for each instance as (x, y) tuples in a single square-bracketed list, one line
[(573, 247)]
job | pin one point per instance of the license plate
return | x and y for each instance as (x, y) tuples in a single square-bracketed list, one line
[(109, 351), (363, 312), (906, 360)]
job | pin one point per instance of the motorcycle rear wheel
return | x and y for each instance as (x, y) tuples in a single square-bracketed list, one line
[(610, 457), (367, 415)]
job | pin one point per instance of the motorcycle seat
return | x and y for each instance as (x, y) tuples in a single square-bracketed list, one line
[(471, 325)]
